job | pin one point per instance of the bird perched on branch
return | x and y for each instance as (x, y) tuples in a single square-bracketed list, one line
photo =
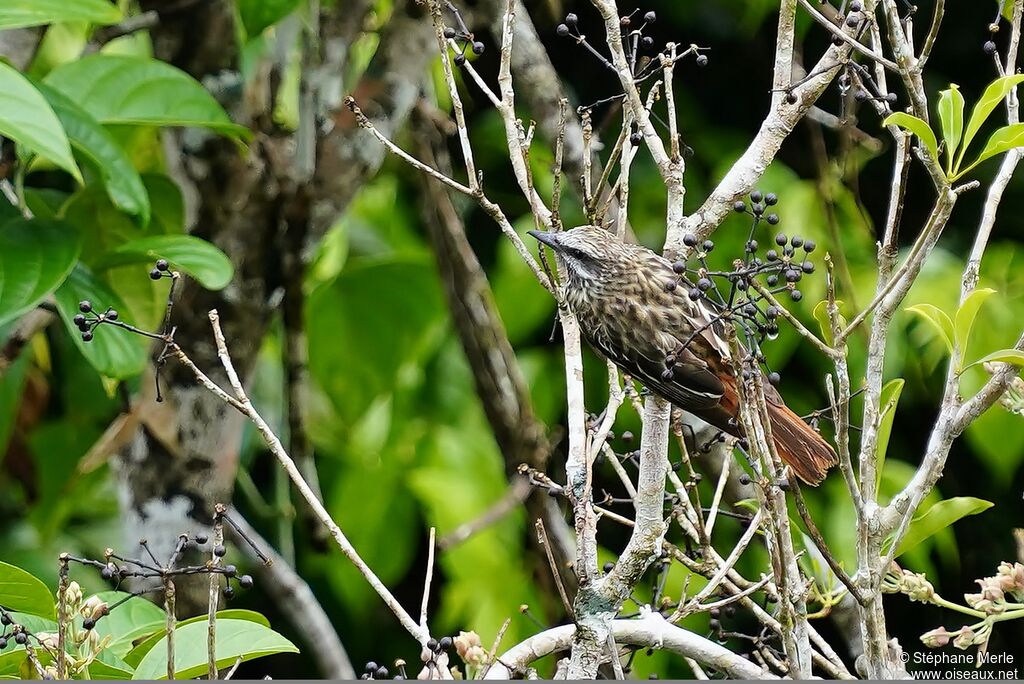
[(630, 314)]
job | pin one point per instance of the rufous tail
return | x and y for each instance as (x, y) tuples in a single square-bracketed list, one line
[(799, 446)]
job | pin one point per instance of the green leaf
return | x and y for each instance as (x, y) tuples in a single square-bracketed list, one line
[(113, 352), (951, 116), (889, 398), (824, 323), (90, 139), (195, 256), (939, 517), (109, 666), (21, 13), (965, 316), (120, 89), (236, 639), (1002, 140), (939, 319), (22, 592), (1005, 356), (995, 93), (36, 255), (27, 118), (138, 652), (257, 15), (375, 319), (134, 618), (918, 127)]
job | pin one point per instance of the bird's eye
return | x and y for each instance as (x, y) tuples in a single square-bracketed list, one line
[(576, 253)]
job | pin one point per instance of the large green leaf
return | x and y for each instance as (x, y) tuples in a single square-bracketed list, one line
[(21, 13), (1002, 140), (236, 640), (96, 143), (371, 321), (35, 257), (1013, 356), (951, 116), (134, 618), (24, 593), (995, 93), (820, 314), (965, 315), (195, 256), (113, 352), (939, 319), (28, 119), (918, 127), (118, 89), (139, 651), (257, 15), (939, 517)]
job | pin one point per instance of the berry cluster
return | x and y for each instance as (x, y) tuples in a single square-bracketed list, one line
[(88, 320), (463, 36), (738, 295)]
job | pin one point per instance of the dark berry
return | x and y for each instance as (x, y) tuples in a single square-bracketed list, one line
[(161, 264), (774, 378), (739, 206), (245, 581), (771, 312), (771, 199), (155, 274), (743, 444), (679, 267), (571, 19), (460, 59), (111, 314), (796, 241), (667, 374), (21, 638), (608, 566), (85, 306), (708, 245), (432, 644), (650, 17), (478, 48), (856, 6), (445, 644), (694, 294), (989, 47), (381, 673), (371, 666), (772, 219), (690, 240), (627, 436), (807, 266), (792, 276), (449, 32), (704, 284), (88, 623), (751, 245), (852, 21), (87, 336), (796, 295), (772, 280), (756, 196), (3, 643), (229, 592), (5, 619), (702, 60), (781, 239), (790, 98), (670, 286), (106, 573), (79, 321), (809, 246), (647, 42), (771, 255), (670, 360), (219, 551), (201, 539), (230, 570), (562, 30), (636, 138)]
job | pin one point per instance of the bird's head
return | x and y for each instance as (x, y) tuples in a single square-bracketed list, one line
[(588, 253)]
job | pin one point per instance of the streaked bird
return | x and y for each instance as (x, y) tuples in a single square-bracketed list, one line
[(673, 345)]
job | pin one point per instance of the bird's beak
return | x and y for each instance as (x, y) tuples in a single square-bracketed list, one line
[(549, 239)]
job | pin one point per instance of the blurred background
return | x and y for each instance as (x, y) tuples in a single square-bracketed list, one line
[(400, 438)]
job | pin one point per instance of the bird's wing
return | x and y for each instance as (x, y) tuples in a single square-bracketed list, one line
[(692, 386)]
